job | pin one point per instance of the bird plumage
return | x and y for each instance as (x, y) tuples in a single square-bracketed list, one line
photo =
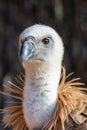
[(70, 111), (44, 103), (41, 65)]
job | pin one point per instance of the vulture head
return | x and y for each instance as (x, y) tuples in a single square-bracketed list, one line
[(40, 43)]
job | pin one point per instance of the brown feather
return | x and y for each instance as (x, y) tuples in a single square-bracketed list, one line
[(70, 99), (70, 112)]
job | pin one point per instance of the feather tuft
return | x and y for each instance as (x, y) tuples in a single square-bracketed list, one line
[(71, 100)]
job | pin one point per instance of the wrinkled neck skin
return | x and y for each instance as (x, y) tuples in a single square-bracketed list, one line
[(40, 93)]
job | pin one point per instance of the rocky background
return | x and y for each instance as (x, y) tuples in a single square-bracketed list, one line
[(68, 17)]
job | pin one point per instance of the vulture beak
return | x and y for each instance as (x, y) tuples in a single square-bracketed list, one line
[(27, 49)]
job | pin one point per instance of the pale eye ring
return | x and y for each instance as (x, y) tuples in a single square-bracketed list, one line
[(45, 41)]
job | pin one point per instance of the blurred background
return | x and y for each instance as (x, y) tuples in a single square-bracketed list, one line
[(67, 17)]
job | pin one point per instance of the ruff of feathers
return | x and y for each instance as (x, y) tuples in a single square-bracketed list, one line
[(71, 101)]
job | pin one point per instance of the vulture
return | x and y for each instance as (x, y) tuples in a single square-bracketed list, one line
[(48, 98)]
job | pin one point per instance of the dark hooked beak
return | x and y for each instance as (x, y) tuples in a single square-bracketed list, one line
[(27, 49)]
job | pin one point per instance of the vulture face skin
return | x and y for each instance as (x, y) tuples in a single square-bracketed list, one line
[(41, 43)]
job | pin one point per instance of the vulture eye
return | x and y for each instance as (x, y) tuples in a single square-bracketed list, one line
[(45, 41), (48, 42)]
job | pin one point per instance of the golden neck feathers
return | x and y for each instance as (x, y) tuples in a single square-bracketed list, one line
[(70, 112)]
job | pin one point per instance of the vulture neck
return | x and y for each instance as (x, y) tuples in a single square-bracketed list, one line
[(40, 93)]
